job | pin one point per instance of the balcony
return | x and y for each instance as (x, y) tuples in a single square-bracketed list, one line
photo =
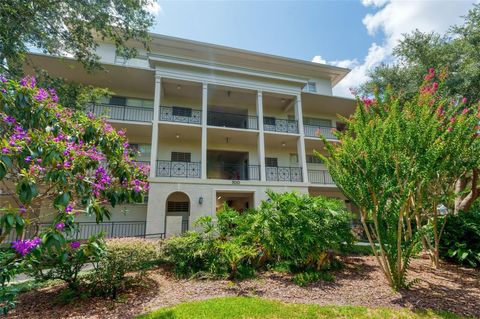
[(122, 112), (180, 115), (280, 125), (233, 120), (284, 174), (316, 131), (234, 172), (321, 176), (178, 169)]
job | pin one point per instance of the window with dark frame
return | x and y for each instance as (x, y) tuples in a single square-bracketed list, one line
[(180, 157), (312, 159), (268, 120), (118, 100), (271, 162), (181, 111), (177, 207)]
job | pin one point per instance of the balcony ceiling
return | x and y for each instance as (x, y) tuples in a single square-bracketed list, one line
[(168, 132), (218, 136), (122, 80), (276, 141), (326, 104)]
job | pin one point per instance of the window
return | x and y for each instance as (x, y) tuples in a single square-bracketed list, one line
[(268, 120), (312, 87), (181, 111), (317, 122), (312, 159), (180, 157), (293, 158), (144, 150), (177, 207), (271, 162), (118, 100), (139, 102)]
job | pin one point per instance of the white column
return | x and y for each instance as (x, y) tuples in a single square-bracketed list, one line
[(261, 137), (156, 112), (302, 158), (204, 130)]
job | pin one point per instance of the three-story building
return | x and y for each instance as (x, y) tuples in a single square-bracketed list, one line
[(216, 125)]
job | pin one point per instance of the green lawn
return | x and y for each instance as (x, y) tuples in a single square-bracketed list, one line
[(247, 308)]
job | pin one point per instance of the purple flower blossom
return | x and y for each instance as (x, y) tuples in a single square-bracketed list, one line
[(23, 247), (60, 226), (22, 209), (5, 150), (53, 94), (69, 208), (3, 79), (28, 81), (75, 244), (28, 158), (9, 119), (41, 95)]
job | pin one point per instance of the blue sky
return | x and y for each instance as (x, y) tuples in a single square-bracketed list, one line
[(355, 34)]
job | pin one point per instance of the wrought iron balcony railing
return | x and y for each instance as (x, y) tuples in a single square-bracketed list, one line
[(122, 112), (222, 119), (180, 115), (234, 171), (316, 131), (284, 174), (178, 169), (321, 176), (280, 125)]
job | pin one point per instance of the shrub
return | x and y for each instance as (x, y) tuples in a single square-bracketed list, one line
[(460, 242), (63, 262), (204, 254), (122, 255), (301, 229), (307, 277)]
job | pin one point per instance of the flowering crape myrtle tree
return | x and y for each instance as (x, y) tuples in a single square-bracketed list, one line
[(63, 161), (397, 161)]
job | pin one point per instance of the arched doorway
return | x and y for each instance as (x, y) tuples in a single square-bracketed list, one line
[(177, 214)]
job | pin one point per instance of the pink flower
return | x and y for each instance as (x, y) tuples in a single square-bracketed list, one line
[(60, 226), (465, 111), (464, 100)]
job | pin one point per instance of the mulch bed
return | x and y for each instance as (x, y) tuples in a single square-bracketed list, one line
[(360, 282)]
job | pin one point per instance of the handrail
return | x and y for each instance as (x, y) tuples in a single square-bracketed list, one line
[(317, 130), (284, 174), (320, 176), (280, 125), (233, 120), (178, 169), (122, 112), (191, 116), (233, 171)]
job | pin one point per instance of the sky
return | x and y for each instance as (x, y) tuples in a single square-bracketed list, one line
[(355, 34)]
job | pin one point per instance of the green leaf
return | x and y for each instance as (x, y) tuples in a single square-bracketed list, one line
[(62, 200), (3, 170)]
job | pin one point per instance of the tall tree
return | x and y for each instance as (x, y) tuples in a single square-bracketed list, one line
[(459, 51), (69, 28)]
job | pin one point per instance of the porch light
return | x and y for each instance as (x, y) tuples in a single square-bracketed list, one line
[(283, 100), (177, 135), (200, 200), (284, 144), (179, 87)]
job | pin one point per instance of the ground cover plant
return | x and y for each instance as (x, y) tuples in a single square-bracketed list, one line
[(244, 307)]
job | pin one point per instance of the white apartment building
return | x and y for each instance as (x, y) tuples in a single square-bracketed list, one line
[(216, 124)]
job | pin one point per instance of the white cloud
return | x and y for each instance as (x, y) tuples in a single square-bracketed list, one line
[(393, 19), (154, 8), (319, 59)]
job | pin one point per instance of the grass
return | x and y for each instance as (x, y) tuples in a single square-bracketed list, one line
[(250, 308)]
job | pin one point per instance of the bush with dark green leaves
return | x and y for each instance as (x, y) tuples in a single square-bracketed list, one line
[(460, 242), (121, 256), (300, 231)]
